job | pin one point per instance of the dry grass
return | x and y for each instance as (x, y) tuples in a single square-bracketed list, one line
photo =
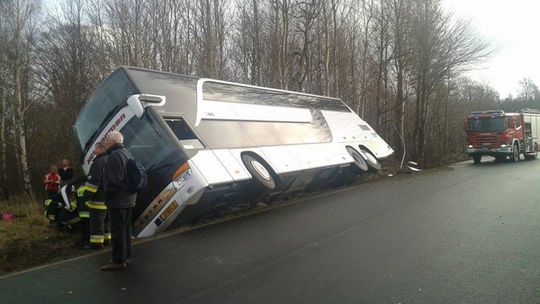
[(30, 240)]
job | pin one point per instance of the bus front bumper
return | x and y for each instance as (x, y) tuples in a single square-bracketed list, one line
[(184, 191)]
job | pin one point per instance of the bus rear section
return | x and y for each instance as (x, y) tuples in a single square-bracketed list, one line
[(211, 146)]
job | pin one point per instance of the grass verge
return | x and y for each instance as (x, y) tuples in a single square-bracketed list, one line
[(30, 240)]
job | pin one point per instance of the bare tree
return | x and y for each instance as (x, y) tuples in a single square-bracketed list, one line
[(528, 90), (20, 18)]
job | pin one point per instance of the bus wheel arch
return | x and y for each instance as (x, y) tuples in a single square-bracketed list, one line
[(260, 170), (370, 158)]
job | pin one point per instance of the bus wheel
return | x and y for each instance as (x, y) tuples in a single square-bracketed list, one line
[(359, 161), (260, 171), (515, 154), (477, 158), (371, 160)]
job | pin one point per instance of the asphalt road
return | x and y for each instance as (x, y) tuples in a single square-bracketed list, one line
[(467, 234)]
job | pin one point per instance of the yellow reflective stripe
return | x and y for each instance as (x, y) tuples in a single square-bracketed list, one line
[(82, 189), (97, 239), (96, 205), (90, 187), (84, 214)]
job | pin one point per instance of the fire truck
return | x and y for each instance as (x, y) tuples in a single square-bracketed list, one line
[(503, 135)]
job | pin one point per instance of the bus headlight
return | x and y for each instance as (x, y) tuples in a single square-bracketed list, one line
[(181, 180)]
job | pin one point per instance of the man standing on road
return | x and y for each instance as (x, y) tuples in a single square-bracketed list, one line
[(119, 201), (93, 196)]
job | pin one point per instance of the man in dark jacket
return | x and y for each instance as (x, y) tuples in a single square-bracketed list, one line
[(119, 201), (93, 194)]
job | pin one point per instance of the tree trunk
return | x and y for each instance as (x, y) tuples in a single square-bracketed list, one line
[(326, 53), (285, 45), (3, 144), (20, 133)]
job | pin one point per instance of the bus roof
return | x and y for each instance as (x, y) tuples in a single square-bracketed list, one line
[(184, 92)]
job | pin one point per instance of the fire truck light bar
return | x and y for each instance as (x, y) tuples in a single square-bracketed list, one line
[(488, 112)]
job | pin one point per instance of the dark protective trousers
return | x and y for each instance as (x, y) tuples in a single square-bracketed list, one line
[(121, 234), (100, 226)]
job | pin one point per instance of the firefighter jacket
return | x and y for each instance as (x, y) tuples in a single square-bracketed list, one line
[(92, 192), (115, 181)]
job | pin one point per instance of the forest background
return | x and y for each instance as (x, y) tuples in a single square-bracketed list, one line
[(400, 64)]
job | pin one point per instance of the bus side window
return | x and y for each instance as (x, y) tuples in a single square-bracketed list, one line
[(183, 132)]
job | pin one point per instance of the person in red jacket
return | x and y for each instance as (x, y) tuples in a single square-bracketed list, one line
[(52, 182)]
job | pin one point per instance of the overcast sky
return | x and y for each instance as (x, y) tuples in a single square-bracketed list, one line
[(513, 29)]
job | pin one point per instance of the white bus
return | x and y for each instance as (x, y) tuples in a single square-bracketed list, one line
[(208, 144)]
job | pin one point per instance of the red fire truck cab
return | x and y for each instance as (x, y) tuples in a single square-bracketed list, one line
[(503, 135)]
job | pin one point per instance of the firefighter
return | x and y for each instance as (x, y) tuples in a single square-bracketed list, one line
[(94, 201)]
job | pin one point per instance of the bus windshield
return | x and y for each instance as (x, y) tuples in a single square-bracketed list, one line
[(112, 92), (487, 124), (148, 142)]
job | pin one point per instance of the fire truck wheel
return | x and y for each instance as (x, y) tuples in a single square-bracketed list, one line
[(477, 158), (534, 155), (515, 154)]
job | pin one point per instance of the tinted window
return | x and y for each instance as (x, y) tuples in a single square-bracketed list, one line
[(219, 134), (112, 92), (183, 132), (233, 93), (147, 142), (180, 91)]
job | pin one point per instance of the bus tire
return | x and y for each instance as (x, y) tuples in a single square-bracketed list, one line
[(260, 171), (359, 160), (371, 160)]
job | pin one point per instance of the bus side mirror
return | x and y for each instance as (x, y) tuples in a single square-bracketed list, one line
[(137, 102), (135, 105), (155, 100)]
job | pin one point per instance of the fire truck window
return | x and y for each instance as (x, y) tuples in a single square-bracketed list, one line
[(528, 132), (487, 125)]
